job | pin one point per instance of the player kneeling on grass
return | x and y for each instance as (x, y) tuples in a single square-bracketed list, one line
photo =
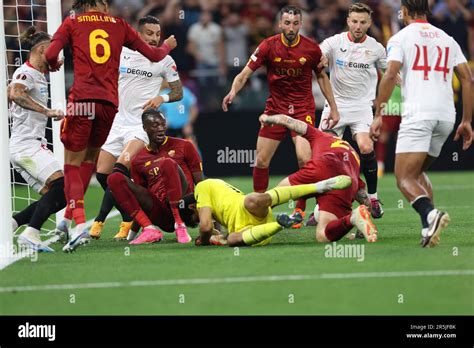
[(249, 218), (330, 157), (29, 153), (162, 173)]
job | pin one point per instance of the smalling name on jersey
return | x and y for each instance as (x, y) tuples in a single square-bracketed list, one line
[(95, 18)]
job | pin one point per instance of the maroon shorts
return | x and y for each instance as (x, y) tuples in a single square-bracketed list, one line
[(87, 123), (161, 214), (337, 202), (277, 132)]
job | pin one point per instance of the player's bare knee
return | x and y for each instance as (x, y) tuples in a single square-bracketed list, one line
[(366, 147), (321, 236), (235, 239)]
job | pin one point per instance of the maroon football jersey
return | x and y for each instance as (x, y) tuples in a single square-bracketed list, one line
[(96, 40), (144, 165), (289, 73)]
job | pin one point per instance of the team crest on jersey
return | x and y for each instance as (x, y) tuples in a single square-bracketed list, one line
[(302, 60), (171, 153), (21, 77)]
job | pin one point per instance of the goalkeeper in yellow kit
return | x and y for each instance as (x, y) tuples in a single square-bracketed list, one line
[(249, 218)]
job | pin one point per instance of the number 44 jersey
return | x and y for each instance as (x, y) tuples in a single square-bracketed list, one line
[(96, 40), (428, 56)]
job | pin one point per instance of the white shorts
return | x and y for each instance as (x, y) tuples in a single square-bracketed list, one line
[(119, 136), (359, 121), (423, 136), (35, 162)]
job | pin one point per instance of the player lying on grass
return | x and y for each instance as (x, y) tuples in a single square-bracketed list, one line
[(96, 39), (162, 173), (29, 153), (330, 157), (137, 91), (249, 218)]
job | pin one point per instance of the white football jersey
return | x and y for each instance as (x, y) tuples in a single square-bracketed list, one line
[(353, 67), (428, 56), (27, 124), (140, 80)]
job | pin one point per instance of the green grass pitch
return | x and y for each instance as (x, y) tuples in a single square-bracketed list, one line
[(108, 277)]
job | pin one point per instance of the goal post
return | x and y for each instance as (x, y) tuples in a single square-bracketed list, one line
[(15, 17), (6, 233), (57, 85)]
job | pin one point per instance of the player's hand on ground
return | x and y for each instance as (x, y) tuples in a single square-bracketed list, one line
[(333, 118), (199, 241), (154, 103), (375, 128), (171, 42), (56, 115), (324, 62), (465, 131), (228, 99)]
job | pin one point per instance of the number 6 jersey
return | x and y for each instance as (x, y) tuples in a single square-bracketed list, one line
[(96, 40), (428, 56)]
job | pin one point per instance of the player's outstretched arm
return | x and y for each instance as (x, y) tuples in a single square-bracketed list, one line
[(325, 84), (297, 126), (19, 94), (464, 130), (389, 80), (239, 82), (175, 94), (205, 226)]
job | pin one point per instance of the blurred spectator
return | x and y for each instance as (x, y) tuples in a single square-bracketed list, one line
[(325, 25), (206, 45), (452, 17), (385, 24), (235, 37)]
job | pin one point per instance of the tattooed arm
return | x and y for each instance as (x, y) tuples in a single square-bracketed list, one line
[(175, 94), (19, 94), (286, 121)]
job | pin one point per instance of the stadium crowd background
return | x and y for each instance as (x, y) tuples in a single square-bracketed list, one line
[(216, 37)]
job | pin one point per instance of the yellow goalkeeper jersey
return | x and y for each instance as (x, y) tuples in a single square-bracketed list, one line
[(227, 205)]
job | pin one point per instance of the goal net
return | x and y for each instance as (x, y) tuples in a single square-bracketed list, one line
[(18, 15)]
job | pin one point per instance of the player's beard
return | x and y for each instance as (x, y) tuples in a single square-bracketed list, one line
[(153, 43), (291, 38)]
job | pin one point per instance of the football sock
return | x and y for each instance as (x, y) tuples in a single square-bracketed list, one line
[(74, 190), (102, 179), (142, 219), (51, 202), (380, 150), (170, 173), (369, 168), (337, 229), (24, 216), (86, 170), (260, 179), (259, 233), (423, 205), (280, 195), (301, 204)]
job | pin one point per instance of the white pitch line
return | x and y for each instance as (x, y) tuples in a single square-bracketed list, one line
[(8, 261), (229, 280)]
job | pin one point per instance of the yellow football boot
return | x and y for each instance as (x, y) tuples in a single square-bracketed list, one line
[(124, 229)]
